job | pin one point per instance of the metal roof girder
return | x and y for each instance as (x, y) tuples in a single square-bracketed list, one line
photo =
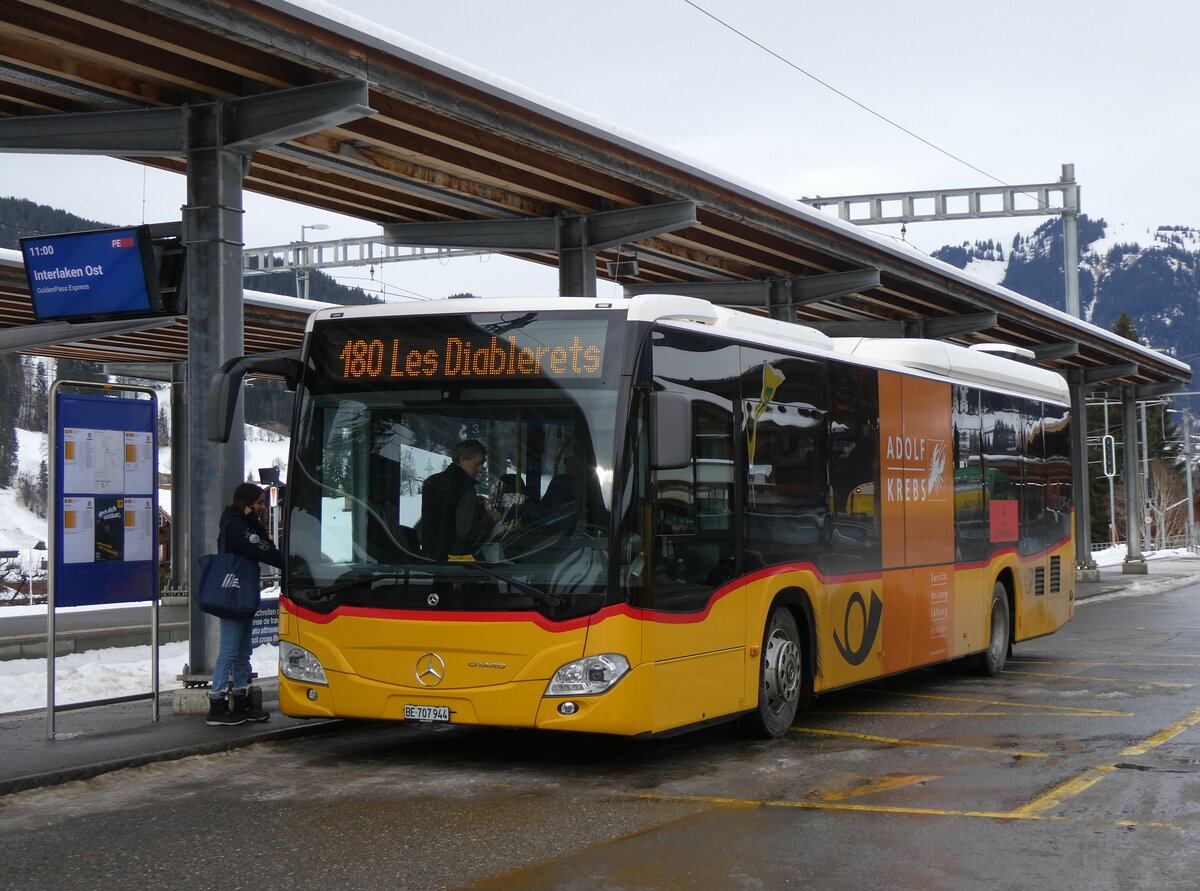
[(1051, 351), (256, 122), (719, 293), (1153, 391), (807, 289), (596, 231), (142, 133), (30, 337), (1107, 373), (247, 124)]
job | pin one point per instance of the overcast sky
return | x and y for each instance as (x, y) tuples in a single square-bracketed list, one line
[(1012, 89)]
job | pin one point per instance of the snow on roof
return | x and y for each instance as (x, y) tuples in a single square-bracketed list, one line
[(363, 30)]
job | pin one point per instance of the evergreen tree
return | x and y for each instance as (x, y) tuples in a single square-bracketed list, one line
[(41, 398), (1123, 326), (164, 427), (81, 370), (12, 388), (43, 488)]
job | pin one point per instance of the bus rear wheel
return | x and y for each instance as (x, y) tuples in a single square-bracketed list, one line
[(781, 672), (991, 661)]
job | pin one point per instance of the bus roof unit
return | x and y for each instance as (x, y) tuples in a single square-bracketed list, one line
[(958, 363)]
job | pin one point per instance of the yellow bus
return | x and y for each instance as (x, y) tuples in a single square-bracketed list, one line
[(674, 536)]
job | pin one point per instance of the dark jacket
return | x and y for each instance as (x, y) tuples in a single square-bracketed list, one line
[(452, 519), (246, 536)]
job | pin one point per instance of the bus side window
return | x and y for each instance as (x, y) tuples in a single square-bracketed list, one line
[(693, 550), (853, 536), (784, 406), (970, 500)]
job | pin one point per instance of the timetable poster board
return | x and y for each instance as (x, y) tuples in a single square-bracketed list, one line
[(105, 497)]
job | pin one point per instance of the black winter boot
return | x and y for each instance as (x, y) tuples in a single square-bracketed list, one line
[(243, 704), (219, 714)]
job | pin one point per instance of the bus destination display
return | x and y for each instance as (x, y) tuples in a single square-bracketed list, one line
[(559, 351)]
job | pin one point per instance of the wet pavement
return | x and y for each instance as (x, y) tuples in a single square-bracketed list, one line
[(98, 739)]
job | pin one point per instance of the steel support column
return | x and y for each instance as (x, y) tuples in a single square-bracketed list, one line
[(212, 231), (1135, 563), (1070, 220), (779, 300), (1080, 483), (576, 259)]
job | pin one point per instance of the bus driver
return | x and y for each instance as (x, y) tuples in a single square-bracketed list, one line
[(453, 518)]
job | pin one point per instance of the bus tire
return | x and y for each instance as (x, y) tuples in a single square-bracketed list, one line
[(780, 677), (991, 661)]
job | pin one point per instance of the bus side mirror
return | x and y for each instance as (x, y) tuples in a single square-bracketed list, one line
[(226, 384), (671, 431)]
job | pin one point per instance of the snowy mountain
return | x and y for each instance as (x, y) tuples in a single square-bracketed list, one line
[(1153, 276)]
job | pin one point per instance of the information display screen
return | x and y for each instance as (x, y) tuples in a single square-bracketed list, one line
[(386, 353), (107, 273)]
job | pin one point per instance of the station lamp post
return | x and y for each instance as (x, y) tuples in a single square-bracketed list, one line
[(302, 258)]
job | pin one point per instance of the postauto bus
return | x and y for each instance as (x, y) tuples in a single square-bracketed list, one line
[(677, 542)]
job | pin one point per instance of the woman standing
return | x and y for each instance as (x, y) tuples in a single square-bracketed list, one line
[(241, 533)]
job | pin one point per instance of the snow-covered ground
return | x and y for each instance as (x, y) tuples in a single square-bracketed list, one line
[(100, 674)]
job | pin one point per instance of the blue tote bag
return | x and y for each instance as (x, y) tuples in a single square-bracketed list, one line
[(228, 585)]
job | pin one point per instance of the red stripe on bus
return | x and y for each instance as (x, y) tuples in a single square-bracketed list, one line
[(624, 609)]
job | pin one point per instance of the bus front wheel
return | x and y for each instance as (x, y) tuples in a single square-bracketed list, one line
[(991, 661), (781, 672)]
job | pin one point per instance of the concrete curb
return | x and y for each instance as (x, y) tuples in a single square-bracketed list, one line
[(217, 744)]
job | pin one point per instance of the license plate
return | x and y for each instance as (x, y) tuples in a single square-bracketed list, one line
[(427, 713)]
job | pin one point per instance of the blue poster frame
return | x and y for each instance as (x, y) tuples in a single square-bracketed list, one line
[(106, 581)]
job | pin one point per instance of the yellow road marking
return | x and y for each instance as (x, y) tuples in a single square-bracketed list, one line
[(1082, 677), (1069, 709), (1164, 735), (913, 742), (1090, 777), (871, 785), (902, 811), (1063, 791)]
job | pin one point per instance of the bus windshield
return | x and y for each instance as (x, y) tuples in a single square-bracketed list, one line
[(375, 462)]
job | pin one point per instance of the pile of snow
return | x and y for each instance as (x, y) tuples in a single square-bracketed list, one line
[(1115, 555), (103, 674)]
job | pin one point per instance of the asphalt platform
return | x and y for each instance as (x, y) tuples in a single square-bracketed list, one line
[(98, 739)]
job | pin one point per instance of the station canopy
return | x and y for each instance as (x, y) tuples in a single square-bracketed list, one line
[(447, 144)]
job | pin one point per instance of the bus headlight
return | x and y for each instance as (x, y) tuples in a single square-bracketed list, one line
[(588, 676), (299, 664)]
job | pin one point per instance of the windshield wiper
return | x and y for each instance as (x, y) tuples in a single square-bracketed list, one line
[(543, 597), (367, 579)]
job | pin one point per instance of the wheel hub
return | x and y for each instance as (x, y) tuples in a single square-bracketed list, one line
[(783, 669)]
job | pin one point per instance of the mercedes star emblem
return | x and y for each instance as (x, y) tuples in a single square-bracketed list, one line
[(430, 670)]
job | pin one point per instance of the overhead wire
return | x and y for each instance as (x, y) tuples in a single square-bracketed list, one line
[(851, 99)]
